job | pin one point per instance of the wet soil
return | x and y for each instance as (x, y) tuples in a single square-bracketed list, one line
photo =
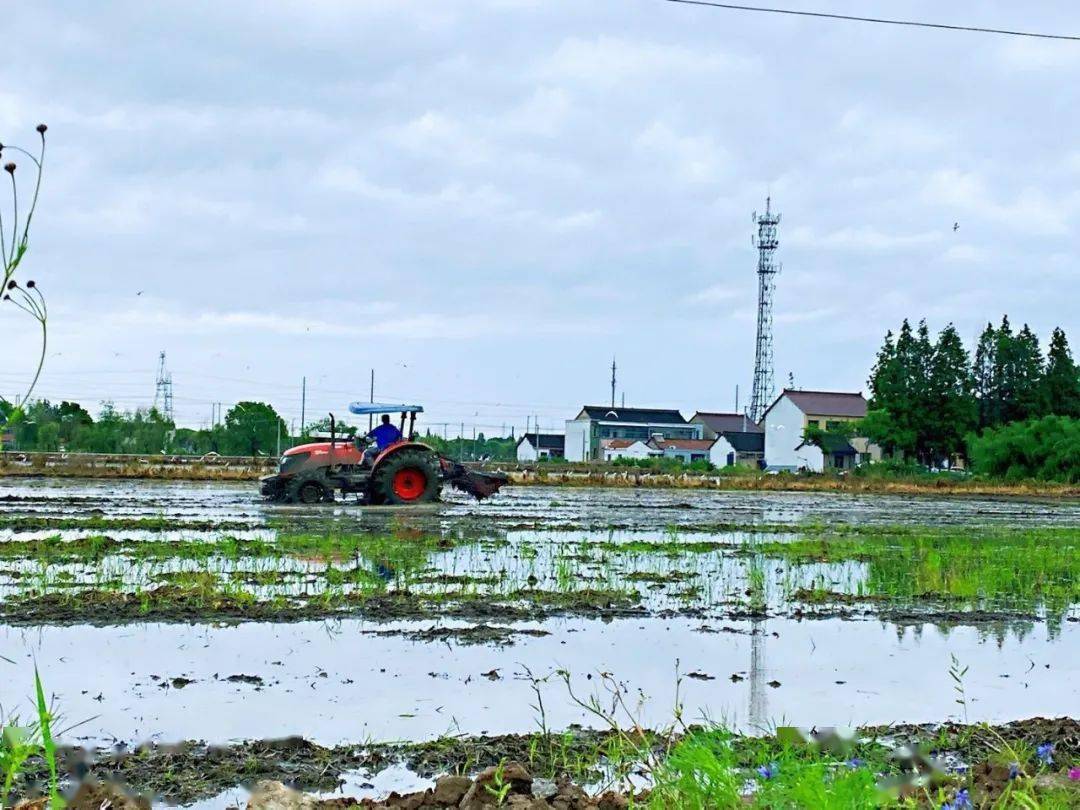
[(192, 771), (173, 603)]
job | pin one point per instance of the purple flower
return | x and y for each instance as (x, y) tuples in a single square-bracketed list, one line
[(962, 801), (855, 762), (1014, 770), (768, 771), (1074, 774), (1045, 752)]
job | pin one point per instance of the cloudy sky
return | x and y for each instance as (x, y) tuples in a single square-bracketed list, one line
[(485, 200)]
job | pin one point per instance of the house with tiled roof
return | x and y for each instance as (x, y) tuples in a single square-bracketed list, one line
[(686, 450), (739, 439), (626, 448), (594, 424), (787, 419), (535, 446)]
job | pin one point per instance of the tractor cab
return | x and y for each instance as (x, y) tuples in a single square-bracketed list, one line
[(378, 409)]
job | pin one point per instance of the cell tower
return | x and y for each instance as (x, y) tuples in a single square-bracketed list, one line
[(163, 390), (766, 243)]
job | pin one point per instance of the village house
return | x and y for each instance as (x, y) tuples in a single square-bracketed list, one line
[(785, 423), (626, 448), (685, 450), (737, 438), (597, 423), (535, 446)]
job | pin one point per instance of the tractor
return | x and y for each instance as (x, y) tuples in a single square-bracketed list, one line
[(405, 472)]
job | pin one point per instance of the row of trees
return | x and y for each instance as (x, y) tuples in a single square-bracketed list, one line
[(930, 396), (249, 429)]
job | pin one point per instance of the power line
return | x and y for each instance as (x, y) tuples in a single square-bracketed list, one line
[(879, 20)]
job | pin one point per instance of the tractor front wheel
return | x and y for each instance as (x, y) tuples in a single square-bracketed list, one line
[(308, 490), (407, 476)]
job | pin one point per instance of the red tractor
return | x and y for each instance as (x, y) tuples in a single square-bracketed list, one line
[(405, 472)]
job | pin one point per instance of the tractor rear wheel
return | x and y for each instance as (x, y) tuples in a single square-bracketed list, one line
[(407, 476), (308, 490)]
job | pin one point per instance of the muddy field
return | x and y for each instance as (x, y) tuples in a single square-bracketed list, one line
[(401, 644)]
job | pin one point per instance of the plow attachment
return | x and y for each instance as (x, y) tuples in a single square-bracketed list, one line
[(478, 484)]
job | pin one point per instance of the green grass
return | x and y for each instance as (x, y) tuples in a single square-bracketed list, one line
[(1020, 569)]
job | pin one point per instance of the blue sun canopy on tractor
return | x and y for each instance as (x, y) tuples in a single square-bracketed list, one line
[(382, 407)]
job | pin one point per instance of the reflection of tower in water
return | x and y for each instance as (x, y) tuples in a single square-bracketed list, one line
[(759, 704)]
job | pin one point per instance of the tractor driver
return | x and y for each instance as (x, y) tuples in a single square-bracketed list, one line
[(384, 435)]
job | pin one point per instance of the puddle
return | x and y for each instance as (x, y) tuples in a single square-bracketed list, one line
[(334, 683), (552, 507)]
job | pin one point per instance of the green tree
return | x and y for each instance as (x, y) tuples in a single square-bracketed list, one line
[(899, 392), (1047, 449), (1027, 374), (952, 411), (985, 378), (251, 429), (1061, 381)]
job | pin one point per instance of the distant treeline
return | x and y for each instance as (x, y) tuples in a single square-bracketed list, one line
[(932, 401), (248, 429)]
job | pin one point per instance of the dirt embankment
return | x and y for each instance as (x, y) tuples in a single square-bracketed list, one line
[(574, 476), (211, 467)]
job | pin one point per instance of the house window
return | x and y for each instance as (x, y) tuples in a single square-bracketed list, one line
[(832, 424)]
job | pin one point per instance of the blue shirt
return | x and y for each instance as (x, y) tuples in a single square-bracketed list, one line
[(385, 435)]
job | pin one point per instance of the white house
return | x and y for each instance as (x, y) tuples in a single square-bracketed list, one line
[(626, 448), (686, 450), (786, 420), (533, 446), (596, 423), (743, 439)]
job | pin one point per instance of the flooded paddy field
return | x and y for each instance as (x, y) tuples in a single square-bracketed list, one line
[(163, 613)]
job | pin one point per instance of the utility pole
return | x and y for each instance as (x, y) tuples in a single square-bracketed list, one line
[(461, 442), (303, 402), (613, 383), (278, 421), (371, 416)]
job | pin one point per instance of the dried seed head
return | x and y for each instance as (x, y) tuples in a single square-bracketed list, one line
[(7, 297), (9, 168), (41, 128), (31, 284), (11, 285)]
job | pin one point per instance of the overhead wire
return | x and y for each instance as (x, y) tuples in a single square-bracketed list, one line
[(878, 20)]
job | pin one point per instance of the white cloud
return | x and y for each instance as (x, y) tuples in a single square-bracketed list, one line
[(693, 158), (1031, 210), (710, 296), (1039, 55), (967, 254), (857, 238), (607, 61)]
